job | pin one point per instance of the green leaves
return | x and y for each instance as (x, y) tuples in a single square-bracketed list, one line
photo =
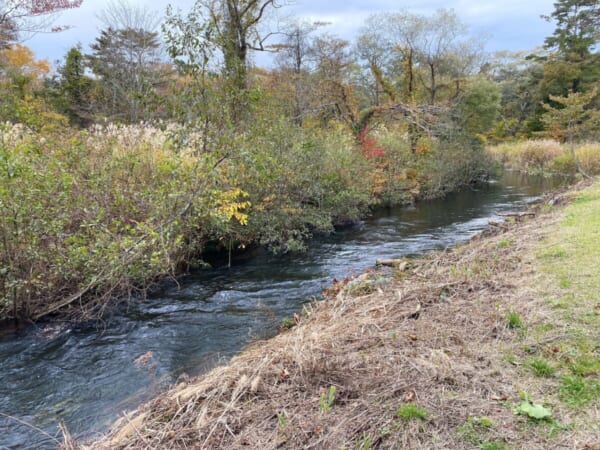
[(326, 399), (533, 410)]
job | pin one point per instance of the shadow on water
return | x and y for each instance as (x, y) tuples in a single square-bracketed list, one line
[(87, 375)]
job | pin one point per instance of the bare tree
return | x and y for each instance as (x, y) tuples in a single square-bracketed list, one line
[(295, 57), (123, 15)]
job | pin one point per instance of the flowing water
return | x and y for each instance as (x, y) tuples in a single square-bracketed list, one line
[(87, 375)]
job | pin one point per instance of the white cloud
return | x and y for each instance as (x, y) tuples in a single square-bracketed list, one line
[(512, 24)]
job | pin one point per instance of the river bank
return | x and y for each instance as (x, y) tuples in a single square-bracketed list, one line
[(440, 355)]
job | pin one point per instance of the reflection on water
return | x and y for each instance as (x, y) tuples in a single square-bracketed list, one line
[(87, 375)]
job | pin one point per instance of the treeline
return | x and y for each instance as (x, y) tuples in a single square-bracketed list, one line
[(119, 168)]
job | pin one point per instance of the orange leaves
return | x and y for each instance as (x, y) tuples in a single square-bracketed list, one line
[(20, 58)]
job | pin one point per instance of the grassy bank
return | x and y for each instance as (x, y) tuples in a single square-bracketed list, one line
[(90, 217), (545, 156), (493, 345)]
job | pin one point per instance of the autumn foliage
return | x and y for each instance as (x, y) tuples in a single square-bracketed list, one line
[(369, 145)]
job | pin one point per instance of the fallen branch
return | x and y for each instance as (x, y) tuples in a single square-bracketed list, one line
[(502, 226), (518, 215), (400, 264)]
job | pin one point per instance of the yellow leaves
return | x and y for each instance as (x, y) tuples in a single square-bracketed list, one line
[(423, 146), (230, 207), (20, 58)]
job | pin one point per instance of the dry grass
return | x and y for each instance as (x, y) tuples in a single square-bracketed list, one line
[(547, 156), (436, 337)]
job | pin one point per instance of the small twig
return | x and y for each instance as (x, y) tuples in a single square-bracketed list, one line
[(33, 427), (517, 214)]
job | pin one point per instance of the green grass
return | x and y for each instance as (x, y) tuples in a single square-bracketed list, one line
[(513, 320), (541, 367), (492, 445), (476, 430), (586, 366), (570, 259), (408, 411), (505, 243), (576, 390)]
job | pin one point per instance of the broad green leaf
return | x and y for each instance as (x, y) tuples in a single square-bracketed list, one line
[(533, 410)]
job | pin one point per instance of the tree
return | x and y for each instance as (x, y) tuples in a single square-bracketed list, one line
[(420, 63), (376, 50), (431, 50), (518, 77), (574, 64), (577, 28), (294, 57), (333, 96), (232, 26), (75, 88), (21, 80), (19, 16), (445, 52), (128, 65), (478, 107), (295, 51), (573, 119), (127, 60)]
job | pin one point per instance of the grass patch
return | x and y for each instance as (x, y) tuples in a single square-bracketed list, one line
[(475, 431), (492, 445), (554, 253), (541, 368), (409, 411), (505, 243), (586, 366), (514, 320), (570, 259), (576, 390)]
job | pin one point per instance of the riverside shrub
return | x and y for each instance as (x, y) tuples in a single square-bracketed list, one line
[(93, 215), (88, 217)]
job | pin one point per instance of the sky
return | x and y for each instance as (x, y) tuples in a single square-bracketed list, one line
[(508, 24)]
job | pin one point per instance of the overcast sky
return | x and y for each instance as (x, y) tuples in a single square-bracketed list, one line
[(509, 24)]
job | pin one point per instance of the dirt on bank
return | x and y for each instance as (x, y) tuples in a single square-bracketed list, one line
[(434, 356)]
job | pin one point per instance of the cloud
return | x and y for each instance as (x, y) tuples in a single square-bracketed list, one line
[(512, 24)]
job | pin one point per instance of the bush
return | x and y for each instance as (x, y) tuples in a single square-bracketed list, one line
[(563, 165), (94, 215), (536, 154), (547, 156), (588, 155)]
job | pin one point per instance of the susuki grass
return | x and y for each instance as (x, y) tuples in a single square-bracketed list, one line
[(547, 156)]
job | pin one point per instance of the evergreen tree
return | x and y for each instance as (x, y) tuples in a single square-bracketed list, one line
[(127, 64), (75, 88), (577, 28), (575, 63)]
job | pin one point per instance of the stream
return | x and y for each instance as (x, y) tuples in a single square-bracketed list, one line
[(87, 375)]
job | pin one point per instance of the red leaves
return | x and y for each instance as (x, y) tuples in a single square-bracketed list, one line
[(40, 7), (369, 144)]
